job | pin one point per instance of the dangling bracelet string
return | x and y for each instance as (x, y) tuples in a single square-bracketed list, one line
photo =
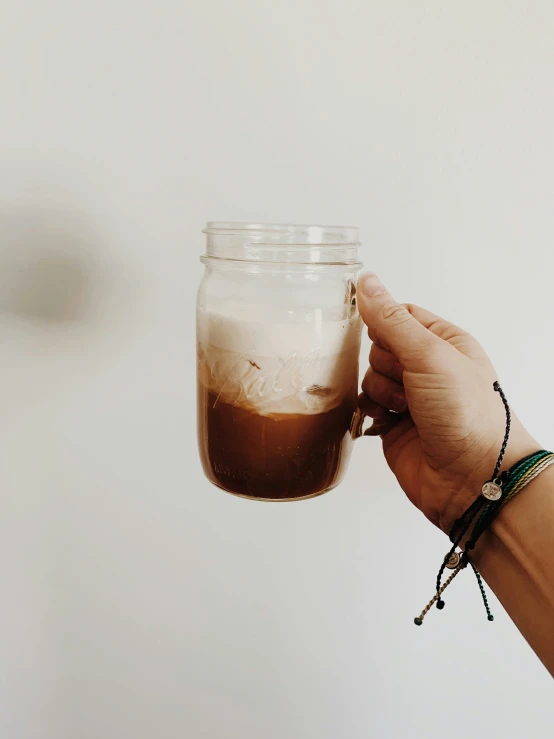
[(480, 514), (461, 526)]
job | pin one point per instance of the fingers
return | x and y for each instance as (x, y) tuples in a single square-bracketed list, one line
[(383, 420), (385, 363), (371, 408), (383, 428), (384, 391), (391, 324), (382, 384)]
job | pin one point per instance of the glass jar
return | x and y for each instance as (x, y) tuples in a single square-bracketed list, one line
[(278, 342)]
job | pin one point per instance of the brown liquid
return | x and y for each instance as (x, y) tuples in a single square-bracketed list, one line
[(279, 456)]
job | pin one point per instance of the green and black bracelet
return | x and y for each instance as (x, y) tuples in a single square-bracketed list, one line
[(495, 493)]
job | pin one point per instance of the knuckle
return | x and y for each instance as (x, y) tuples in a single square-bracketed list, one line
[(395, 314), (368, 381), (385, 362), (375, 354)]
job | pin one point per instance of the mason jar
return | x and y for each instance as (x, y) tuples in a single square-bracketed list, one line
[(278, 342)]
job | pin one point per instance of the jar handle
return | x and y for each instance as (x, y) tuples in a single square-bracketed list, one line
[(357, 425)]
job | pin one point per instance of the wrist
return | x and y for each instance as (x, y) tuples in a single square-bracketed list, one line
[(517, 523), (520, 444), (510, 527)]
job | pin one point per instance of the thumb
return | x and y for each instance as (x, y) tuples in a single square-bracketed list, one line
[(391, 324)]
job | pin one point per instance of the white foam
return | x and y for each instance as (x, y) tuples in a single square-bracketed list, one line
[(302, 362)]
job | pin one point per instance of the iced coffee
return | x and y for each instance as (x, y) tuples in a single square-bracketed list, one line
[(276, 399)]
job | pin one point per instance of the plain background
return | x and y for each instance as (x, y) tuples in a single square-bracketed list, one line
[(136, 600)]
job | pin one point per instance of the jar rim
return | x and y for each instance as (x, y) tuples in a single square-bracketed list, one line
[(297, 234)]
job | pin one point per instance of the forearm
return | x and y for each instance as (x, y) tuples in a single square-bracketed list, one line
[(517, 560)]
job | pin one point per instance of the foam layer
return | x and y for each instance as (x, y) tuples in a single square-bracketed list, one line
[(305, 364)]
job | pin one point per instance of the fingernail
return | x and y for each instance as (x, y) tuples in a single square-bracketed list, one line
[(371, 285)]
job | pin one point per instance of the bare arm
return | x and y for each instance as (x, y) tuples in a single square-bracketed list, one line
[(517, 561)]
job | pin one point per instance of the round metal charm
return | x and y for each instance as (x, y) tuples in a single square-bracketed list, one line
[(453, 561), (491, 491)]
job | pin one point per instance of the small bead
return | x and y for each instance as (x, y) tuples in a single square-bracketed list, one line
[(418, 621), (440, 604), (491, 617)]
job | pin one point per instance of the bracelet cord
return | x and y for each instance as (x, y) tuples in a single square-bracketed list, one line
[(482, 512)]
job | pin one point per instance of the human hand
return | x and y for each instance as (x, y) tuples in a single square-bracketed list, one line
[(430, 392)]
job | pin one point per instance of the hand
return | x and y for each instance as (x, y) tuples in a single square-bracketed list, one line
[(447, 423)]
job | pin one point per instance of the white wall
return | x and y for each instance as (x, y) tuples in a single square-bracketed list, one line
[(136, 600)]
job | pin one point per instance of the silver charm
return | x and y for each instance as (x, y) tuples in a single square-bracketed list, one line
[(491, 491), (453, 560)]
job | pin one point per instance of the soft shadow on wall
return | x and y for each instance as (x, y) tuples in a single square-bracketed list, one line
[(45, 268), (67, 299)]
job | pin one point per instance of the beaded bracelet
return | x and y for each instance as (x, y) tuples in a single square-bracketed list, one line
[(495, 493)]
